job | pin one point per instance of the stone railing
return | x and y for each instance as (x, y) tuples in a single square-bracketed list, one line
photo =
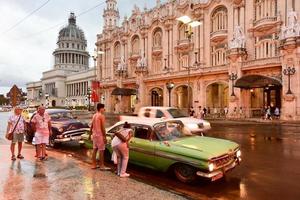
[(218, 33), (157, 48), (264, 20), (262, 61), (183, 41)]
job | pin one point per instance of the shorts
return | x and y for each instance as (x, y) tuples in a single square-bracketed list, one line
[(98, 142), (41, 138), (18, 137)]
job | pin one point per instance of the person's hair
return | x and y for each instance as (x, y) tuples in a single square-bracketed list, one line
[(126, 125), (99, 106)]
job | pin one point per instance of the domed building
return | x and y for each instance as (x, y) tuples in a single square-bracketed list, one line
[(68, 82), (71, 54)]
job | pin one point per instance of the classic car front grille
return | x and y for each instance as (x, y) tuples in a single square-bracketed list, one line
[(223, 160)]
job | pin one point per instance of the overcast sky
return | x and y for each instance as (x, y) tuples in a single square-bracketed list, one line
[(26, 50)]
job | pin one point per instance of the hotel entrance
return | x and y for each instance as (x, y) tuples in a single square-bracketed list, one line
[(264, 91)]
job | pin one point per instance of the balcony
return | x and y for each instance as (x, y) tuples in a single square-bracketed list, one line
[(184, 45), (134, 55), (117, 60), (265, 23), (262, 63), (157, 50), (218, 36)]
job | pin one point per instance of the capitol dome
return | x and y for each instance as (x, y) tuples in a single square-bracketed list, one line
[(71, 30), (70, 54)]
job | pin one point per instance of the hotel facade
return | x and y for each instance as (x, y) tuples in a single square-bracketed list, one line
[(245, 56)]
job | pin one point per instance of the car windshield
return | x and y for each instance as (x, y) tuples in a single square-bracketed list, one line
[(61, 115), (177, 113), (169, 130)]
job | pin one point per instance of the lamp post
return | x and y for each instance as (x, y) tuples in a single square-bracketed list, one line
[(89, 98), (170, 86), (189, 33), (232, 77), (288, 72)]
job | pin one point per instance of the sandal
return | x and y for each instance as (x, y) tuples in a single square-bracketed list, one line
[(13, 157), (20, 156)]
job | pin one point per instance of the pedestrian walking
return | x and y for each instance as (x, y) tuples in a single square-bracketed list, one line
[(225, 111), (99, 137), (120, 147), (42, 125), (277, 113), (268, 113), (16, 129), (204, 112), (192, 111), (200, 113)]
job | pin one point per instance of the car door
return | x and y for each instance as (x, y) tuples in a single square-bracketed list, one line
[(141, 147)]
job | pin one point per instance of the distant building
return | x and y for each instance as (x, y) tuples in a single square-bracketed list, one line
[(15, 96), (68, 82)]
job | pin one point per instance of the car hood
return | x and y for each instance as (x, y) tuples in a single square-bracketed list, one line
[(212, 147)]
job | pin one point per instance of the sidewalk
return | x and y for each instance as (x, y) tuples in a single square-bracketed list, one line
[(64, 178)]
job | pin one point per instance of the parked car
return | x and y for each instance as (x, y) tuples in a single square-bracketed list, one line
[(197, 126), (65, 127), (165, 145)]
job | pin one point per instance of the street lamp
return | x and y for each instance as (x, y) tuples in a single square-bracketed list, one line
[(189, 32), (232, 77), (167, 69), (170, 86), (288, 72), (89, 94)]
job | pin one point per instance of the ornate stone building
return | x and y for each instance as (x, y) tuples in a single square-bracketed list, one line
[(245, 55), (68, 82)]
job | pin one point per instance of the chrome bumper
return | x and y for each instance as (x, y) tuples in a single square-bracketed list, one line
[(215, 175), (73, 135)]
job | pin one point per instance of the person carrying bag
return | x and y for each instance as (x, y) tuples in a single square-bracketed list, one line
[(121, 150), (15, 132)]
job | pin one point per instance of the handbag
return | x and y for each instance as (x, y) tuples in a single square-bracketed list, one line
[(10, 135)]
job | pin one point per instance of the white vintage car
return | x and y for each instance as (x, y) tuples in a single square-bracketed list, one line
[(195, 126)]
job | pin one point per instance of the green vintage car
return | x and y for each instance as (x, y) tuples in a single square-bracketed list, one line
[(167, 145)]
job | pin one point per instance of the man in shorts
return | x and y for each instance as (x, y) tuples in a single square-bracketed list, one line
[(42, 124), (98, 136)]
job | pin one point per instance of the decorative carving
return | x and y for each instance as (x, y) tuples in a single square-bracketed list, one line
[(238, 40)]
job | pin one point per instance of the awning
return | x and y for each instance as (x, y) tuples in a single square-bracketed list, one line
[(256, 81), (123, 91)]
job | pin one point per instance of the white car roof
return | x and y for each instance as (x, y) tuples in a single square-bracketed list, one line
[(144, 120)]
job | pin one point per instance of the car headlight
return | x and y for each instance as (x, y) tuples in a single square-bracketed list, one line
[(61, 130), (238, 153), (211, 167)]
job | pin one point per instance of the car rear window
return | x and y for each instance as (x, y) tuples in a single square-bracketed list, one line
[(177, 113)]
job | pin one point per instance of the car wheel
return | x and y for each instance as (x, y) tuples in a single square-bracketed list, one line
[(185, 173), (52, 142)]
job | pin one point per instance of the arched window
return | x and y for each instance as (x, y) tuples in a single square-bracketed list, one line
[(266, 46), (265, 8), (117, 50), (219, 19), (218, 55), (157, 38), (135, 45)]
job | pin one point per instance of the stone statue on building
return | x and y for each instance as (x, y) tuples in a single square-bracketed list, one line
[(122, 64), (238, 40), (292, 27)]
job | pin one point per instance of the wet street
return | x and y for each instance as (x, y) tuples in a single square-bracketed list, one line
[(269, 169)]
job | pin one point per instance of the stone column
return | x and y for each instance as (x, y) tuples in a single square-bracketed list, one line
[(235, 58), (290, 51)]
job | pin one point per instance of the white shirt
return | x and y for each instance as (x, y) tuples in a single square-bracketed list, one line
[(116, 141)]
